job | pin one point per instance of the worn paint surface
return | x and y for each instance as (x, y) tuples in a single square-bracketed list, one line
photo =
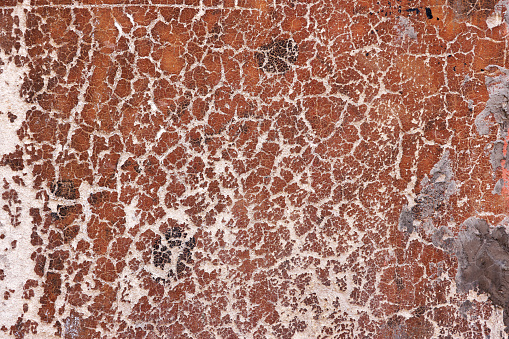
[(253, 169)]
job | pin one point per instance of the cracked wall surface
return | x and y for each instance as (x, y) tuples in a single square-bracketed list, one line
[(254, 169)]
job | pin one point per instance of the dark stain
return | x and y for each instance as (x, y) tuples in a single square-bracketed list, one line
[(277, 56), (183, 105), (70, 232), (394, 321), (173, 232), (63, 211), (128, 164), (64, 189), (173, 242), (98, 198), (191, 243), (399, 283), (161, 257), (419, 311), (414, 10)]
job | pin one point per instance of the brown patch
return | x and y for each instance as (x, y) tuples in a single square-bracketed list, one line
[(12, 117), (14, 160), (51, 293)]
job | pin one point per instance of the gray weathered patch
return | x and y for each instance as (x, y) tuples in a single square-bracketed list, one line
[(497, 107), (406, 220), (435, 192), (406, 29), (443, 238), (497, 154), (498, 187), (464, 308), (483, 262)]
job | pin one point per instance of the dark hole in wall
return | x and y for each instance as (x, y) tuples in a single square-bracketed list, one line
[(429, 15)]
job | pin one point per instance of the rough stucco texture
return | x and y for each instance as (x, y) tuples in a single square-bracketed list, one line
[(254, 169)]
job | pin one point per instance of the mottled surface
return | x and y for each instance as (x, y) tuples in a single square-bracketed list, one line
[(253, 169), (483, 259)]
